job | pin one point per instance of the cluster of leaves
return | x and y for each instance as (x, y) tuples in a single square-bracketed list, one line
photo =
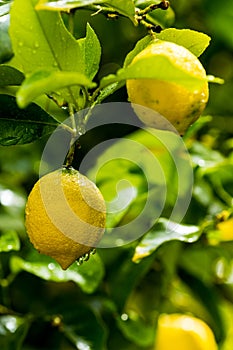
[(53, 70), (113, 300)]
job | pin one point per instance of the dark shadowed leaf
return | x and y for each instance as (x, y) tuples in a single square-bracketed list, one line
[(20, 126), (87, 276), (10, 76)]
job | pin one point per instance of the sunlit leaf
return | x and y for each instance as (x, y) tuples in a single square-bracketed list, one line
[(157, 67), (194, 41), (42, 82), (65, 5), (124, 7), (162, 232), (140, 45), (91, 51), (44, 43)]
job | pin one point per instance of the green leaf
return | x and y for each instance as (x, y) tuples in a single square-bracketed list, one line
[(162, 232), (124, 7), (23, 126), (9, 240), (163, 18), (44, 43), (128, 279), (107, 91), (192, 40), (87, 276), (137, 330), (10, 76), (91, 51), (83, 327), (13, 330), (44, 82), (65, 5), (6, 52), (141, 45), (157, 67)]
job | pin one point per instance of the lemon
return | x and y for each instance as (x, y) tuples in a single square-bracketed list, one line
[(177, 104), (65, 215), (226, 230), (182, 332)]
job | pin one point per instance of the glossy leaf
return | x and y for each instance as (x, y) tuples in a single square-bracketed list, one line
[(9, 240), (44, 43), (19, 126), (162, 232), (136, 330), (107, 91), (65, 5), (87, 276), (91, 51), (140, 45), (13, 330), (192, 40), (124, 7), (84, 328), (6, 52), (155, 67), (10, 76), (129, 277), (163, 18), (45, 82)]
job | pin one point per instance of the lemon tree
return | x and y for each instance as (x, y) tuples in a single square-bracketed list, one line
[(109, 81)]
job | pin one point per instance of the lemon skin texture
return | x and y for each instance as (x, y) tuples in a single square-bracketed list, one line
[(65, 216), (181, 332), (226, 230), (177, 104)]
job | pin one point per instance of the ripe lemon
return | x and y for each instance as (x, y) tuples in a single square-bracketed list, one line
[(181, 332), (65, 215), (180, 106), (226, 230)]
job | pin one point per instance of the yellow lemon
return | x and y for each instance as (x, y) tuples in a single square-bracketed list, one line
[(226, 230), (177, 104), (65, 215), (183, 332)]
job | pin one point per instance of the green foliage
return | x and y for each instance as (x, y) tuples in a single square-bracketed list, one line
[(23, 126), (60, 57)]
